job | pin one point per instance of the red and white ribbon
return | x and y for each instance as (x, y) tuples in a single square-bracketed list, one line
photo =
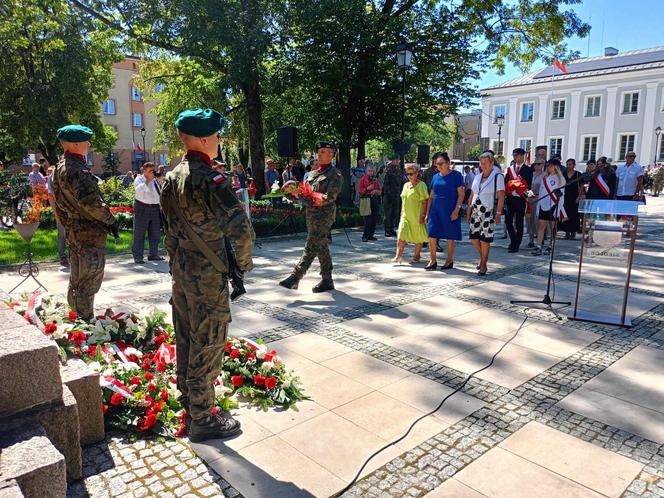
[(115, 385), (560, 208)]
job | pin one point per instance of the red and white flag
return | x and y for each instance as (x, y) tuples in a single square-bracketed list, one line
[(560, 66)]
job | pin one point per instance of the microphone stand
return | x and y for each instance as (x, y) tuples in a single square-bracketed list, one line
[(547, 300)]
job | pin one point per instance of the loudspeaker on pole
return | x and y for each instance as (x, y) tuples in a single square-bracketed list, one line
[(287, 141)]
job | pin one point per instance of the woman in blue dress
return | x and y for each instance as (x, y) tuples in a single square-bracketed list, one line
[(445, 200)]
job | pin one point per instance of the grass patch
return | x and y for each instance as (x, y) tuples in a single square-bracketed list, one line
[(45, 245)]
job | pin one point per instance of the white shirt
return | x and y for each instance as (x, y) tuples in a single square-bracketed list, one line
[(628, 178), (146, 193), (484, 189), (287, 175), (546, 203)]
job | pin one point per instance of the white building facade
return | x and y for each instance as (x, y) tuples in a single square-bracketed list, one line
[(603, 106)]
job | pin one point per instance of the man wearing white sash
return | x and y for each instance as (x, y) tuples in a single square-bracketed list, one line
[(551, 207)]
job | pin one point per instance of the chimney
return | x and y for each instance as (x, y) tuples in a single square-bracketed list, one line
[(610, 52)]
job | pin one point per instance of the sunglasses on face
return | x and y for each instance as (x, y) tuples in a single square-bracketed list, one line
[(410, 174)]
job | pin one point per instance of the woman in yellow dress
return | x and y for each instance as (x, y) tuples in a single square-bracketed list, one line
[(412, 227)]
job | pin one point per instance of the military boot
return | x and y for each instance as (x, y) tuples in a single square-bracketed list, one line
[(290, 282), (326, 284), (213, 427)]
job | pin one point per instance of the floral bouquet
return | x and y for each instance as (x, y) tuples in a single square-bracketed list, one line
[(296, 190), (135, 356)]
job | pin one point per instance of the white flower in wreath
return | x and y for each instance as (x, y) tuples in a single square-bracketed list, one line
[(261, 351), (100, 334), (130, 365), (267, 366), (251, 361), (96, 366), (277, 360), (221, 390)]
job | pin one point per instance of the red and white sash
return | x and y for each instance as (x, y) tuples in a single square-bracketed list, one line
[(602, 185), (560, 208), (512, 172)]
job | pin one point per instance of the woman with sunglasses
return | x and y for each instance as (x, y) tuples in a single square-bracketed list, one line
[(412, 229), (445, 200)]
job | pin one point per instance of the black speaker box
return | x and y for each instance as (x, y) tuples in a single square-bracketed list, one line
[(287, 141), (423, 154)]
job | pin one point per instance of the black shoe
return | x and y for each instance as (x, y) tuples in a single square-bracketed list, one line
[(447, 267), (324, 286), (373, 238), (290, 282), (537, 251), (531, 245), (513, 249), (213, 427), (431, 267), (365, 239), (388, 234), (139, 262), (547, 250), (156, 258)]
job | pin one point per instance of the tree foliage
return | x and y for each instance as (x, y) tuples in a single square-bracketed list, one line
[(56, 70)]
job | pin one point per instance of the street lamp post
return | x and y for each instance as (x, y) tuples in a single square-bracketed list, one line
[(145, 152), (404, 56), (500, 121), (658, 133)]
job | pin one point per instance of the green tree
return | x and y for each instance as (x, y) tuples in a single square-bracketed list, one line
[(56, 70), (230, 42), (474, 153), (111, 163)]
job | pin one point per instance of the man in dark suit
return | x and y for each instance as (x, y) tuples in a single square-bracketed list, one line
[(516, 204)]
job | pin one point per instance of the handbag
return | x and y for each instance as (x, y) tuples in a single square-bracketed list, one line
[(365, 206)]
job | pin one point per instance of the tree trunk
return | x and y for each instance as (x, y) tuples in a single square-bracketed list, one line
[(49, 152), (252, 95), (243, 153), (343, 165), (361, 143)]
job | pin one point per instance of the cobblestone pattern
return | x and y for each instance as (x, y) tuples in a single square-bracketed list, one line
[(428, 465), (119, 468), (595, 283)]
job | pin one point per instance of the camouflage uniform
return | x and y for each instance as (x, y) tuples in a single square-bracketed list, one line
[(392, 187), (86, 220), (319, 222), (201, 306)]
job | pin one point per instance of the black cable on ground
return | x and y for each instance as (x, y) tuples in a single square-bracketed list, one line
[(440, 405)]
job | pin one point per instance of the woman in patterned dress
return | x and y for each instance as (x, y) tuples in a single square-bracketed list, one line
[(484, 208)]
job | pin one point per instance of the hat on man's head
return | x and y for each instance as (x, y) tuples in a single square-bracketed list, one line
[(325, 145), (199, 122), (74, 133), (393, 157), (518, 150)]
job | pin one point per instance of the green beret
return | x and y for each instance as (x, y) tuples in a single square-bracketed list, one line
[(393, 157), (325, 145), (74, 133), (199, 122)]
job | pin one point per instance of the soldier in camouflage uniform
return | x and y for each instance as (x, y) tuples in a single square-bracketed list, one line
[(198, 200), (84, 216), (327, 180), (392, 186)]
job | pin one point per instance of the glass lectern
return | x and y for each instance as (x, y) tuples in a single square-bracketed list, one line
[(607, 250)]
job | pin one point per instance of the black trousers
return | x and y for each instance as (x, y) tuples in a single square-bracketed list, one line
[(516, 209), (371, 220), (147, 218)]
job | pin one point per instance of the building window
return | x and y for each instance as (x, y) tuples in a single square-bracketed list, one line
[(499, 111), (108, 106), (137, 119), (136, 94), (162, 160), (498, 147), (526, 144), (558, 109), (593, 106), (626, 142), (555, 147), (589, 148), (661, 150), (527, 111), (159, 87), (630, 103)]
